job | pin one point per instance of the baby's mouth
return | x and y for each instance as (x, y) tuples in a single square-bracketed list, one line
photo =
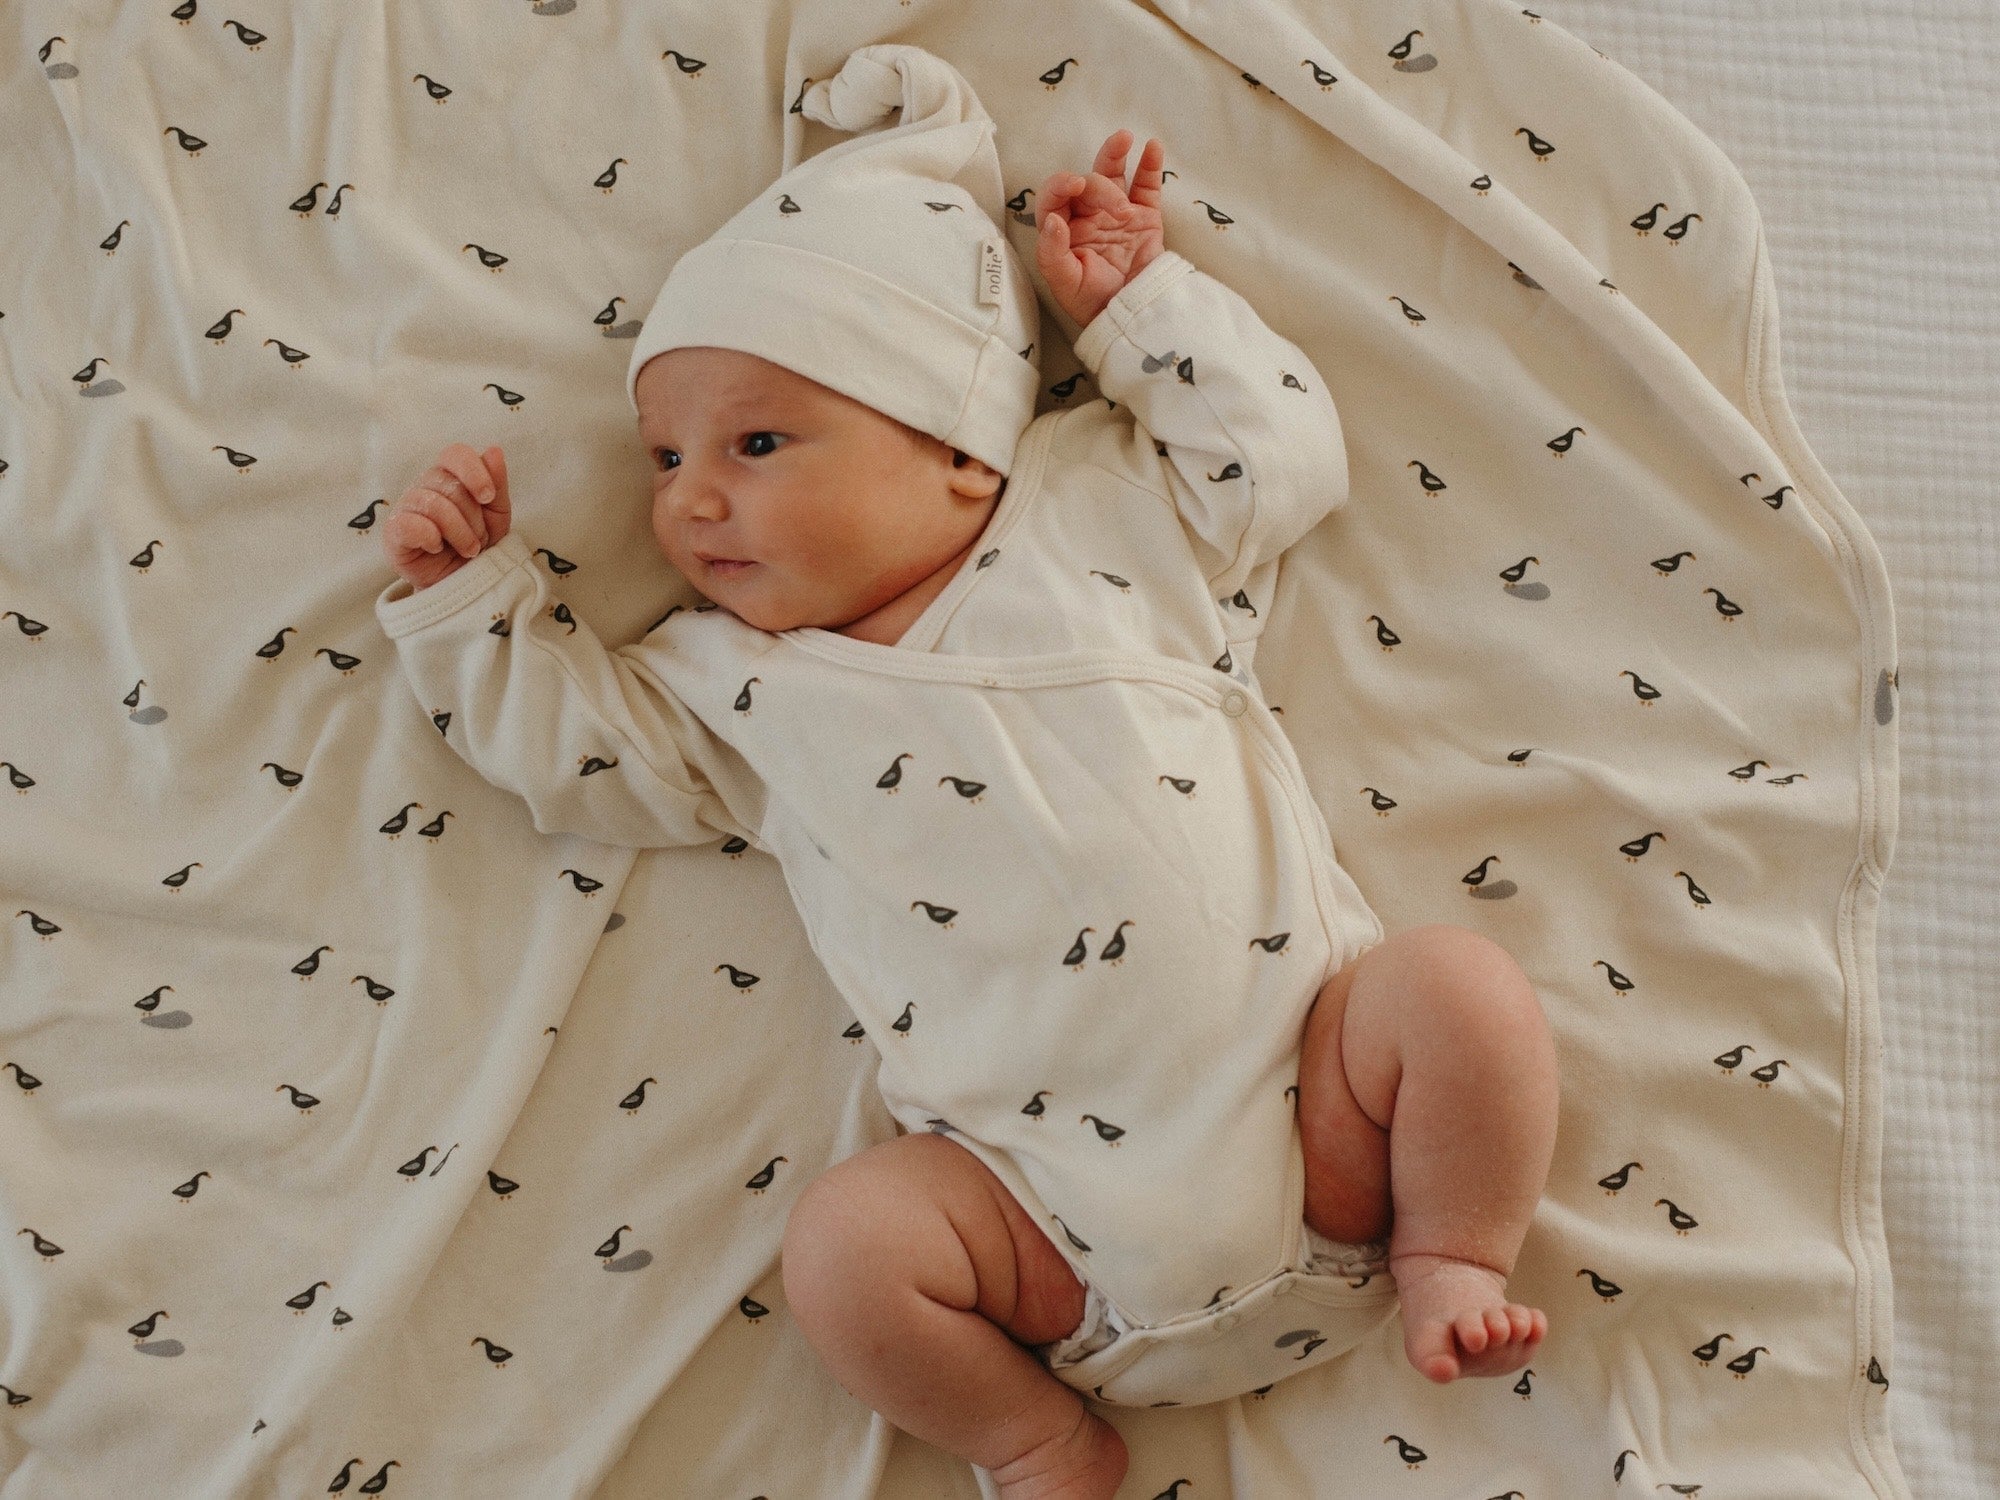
[(724, 567)]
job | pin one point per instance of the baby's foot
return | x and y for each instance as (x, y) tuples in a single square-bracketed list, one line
[(1457, 1319)]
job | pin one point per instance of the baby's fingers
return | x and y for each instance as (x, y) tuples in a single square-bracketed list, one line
[(448, 520), (468, 469)]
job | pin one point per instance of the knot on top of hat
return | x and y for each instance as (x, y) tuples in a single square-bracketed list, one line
[(877, 81)]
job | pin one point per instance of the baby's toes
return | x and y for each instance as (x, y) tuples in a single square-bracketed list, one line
[(1431, 1354), (1530, 1324), (1475, 1329)]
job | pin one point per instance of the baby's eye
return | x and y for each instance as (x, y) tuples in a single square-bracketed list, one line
[(753, 436), (660, 457)]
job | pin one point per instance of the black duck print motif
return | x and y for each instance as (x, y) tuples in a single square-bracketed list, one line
[(1561, 445), (89, 385), (1054, 76), (741, 979), (1681, 1221), (1423, 62), (764, 1178), (1106, 1131), (1519, 590), (56, 70), (192, 144), (377, 1485), (496, 1354), (438, 91), (1477, 887), (1411, 316), (638, 1260), (1543, 150), (606, 319), (397, 825), (47, 1249), (690, 66), (414, 1167), (1320, 75), (606, 180), (1411, 1455), (493, 260), (1610, 1291), (743, 698), (1122, 585), (1776, 499), (582, 882), (633, 1102), (143, 1332), (1674, 233), (942, 915), (1617, 1181)]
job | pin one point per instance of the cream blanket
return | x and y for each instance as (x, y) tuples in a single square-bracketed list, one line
[(300, 1182)]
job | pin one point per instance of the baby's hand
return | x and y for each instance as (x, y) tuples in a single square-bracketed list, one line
[(457, 508), (1095, 237)]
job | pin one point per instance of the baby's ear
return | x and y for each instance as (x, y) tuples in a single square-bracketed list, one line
[(972, 478)]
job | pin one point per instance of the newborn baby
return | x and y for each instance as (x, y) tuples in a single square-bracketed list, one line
[(1167, 1086)]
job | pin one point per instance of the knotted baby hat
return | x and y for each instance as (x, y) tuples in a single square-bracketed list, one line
[(876, 267)]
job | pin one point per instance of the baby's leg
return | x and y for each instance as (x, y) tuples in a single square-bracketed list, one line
[(912, 1272), (1434, 1039)]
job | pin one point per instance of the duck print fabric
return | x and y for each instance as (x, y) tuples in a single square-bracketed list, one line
[(366, 1125)]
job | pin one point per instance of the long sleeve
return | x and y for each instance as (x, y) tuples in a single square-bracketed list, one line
[(1254, 454), (594, 740)]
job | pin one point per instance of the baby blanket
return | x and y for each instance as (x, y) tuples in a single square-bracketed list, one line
[(354, 1134)]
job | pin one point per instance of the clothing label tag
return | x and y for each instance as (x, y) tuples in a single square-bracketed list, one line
[(991, 268)]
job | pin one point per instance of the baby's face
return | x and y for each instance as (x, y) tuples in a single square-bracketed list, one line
[(836, 508)]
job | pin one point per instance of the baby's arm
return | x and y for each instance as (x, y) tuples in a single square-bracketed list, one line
[(1254, 456), (596, 741)]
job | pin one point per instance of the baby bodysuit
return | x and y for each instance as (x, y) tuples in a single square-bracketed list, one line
[(1051, 847)]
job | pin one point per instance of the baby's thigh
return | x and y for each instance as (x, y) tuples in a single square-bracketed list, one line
[(925, 1208)]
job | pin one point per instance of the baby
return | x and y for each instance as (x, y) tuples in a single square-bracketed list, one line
[(980, 681)]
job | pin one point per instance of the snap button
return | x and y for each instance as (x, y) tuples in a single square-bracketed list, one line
[(1233, 703)]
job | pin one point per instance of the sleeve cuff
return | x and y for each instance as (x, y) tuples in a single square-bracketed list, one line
[(404, 609), (1161, 272)]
